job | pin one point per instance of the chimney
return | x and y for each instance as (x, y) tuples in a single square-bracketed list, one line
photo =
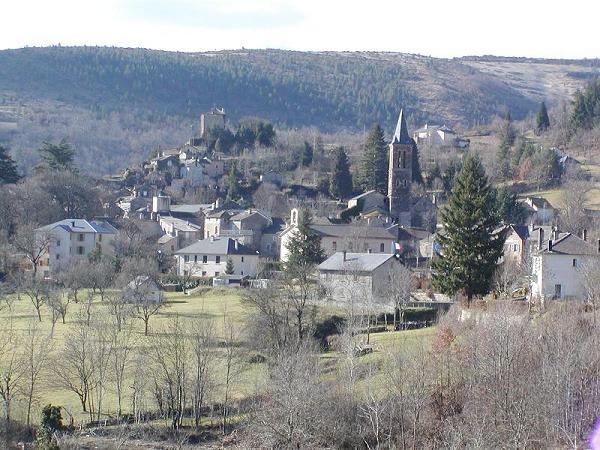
[(555, 233), (541, 238), (584, 234), (344, 253), (549, 245)]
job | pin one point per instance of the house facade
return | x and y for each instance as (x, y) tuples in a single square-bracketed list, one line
[(363, 278), (208, 258), (73, 239), (557, 266)]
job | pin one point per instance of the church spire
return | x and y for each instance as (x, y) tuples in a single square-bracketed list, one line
[(401, 134)]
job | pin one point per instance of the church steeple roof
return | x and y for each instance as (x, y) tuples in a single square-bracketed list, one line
[(401, 134)]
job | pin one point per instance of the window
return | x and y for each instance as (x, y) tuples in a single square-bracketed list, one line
[(58, 243), (557, 291), (381, 247), (218, 259), (574, 262), (204, 273), (80, 250), (216, 274), (204, 259), (334, 245), (57, 256), (404, 159), (81, 237), (242, 272), (99, 238), (195, 258)]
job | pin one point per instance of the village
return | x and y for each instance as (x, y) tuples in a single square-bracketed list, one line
[(215, 286), (234, 243)]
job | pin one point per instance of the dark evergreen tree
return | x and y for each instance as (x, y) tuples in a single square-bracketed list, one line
[(57, 156), (543, 121), (417, 176), (304, 247), (306, 156), (265, 134), (8, 168), (503, 171), (510, 209), (469, 246), (450, 173), (229, 267), (507, 132), (233, 183), (373, 171), (341, 180)]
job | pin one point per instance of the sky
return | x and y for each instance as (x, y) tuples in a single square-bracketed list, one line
[(528, 28)]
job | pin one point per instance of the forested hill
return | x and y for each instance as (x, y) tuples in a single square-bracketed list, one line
[(328, 89), (119, 102)]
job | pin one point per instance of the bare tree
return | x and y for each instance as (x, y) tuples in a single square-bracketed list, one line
[(202, 336), (32, 244), (73, 367), (36, 350), (36, 290), (11, 369), (122, 343), (58, 303), (572, 213), (170, 352), (400, 285)]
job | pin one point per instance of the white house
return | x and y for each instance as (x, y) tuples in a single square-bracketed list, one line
[(557, 266), (439, 136), (359, 277), (72, 239), (208, 258)]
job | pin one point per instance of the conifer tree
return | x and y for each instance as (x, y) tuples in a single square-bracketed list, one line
[(306, 155), (57, 156), (469, 246), (417, 176), (543, 121), (8, 168), (305, 244), (229, 267), (341, 180), (374, 162)]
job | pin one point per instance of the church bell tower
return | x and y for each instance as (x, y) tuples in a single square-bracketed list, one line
[(400, 173)]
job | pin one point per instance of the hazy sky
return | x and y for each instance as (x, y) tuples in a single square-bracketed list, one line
[(535, 28)]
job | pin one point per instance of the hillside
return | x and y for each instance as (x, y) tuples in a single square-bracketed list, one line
[(122, 102)]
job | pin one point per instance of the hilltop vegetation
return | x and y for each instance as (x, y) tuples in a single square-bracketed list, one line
[(122, 103)]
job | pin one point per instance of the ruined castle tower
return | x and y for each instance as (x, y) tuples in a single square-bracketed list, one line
[(400, 173)]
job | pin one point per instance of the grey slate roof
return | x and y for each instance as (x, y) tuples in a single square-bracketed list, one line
[(216, 246), (401, 134), (81, 226), (354, 262), (342, 230), (570, 244)]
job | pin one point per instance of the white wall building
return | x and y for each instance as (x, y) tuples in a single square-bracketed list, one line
[(208, 258), (557, 267), (73, 239), (363, 278)]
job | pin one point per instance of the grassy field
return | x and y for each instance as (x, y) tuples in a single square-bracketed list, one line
[(219, 307)]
